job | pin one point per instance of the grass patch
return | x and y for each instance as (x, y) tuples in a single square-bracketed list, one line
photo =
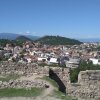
[(12, 92), (83, 67), (51, 81), (62, 96), (56, 93), (9, 77)]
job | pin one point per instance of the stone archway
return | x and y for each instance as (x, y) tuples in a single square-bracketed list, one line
[(55, 77)]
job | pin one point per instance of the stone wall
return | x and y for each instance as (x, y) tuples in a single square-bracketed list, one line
[(23, 69), (7, 68), (88, 85), (62, 73), (89, 77), (22, 84)]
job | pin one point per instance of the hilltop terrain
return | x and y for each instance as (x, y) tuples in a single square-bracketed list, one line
[(49, 40), (23, 38), (57, 40)]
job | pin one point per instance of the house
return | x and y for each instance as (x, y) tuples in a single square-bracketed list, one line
[(29, 60), (40, 59), (73, 62), (95, 61), (53, 60)]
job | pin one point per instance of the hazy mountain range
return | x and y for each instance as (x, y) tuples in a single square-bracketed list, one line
[(12, 36)]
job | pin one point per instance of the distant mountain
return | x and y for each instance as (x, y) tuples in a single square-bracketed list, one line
[(57, 40), (90, 40), (23, 38), (32, 37), (11, 36)]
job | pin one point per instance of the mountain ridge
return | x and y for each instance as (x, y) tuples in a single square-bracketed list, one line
[(13, 36), (57, 40), (23, 38)]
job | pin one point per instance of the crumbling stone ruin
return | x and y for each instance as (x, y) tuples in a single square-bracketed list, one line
[(21, 84), (88, 85), (11, 68)]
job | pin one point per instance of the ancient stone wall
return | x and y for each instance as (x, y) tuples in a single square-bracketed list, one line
[(18, 68), (22, 84), (88, 85), (62, 73), (7, 68), (23, 69), (89, 77)]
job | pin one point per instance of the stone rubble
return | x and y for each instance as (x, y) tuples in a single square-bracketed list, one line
[(87, 87)]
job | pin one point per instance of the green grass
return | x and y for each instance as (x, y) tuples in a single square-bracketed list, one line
[(9, 77), (56, 93), (51, 81), (12, 92), (61, 96), (83, 67)]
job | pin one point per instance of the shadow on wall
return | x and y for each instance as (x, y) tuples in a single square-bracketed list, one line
[(54, 76)]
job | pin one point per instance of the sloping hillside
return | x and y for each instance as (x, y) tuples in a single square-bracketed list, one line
[(23, 38), (13, 36), (57, 40)]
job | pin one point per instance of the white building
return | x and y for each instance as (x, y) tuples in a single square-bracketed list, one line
[(95, 61), (42, 58), (53, 60)]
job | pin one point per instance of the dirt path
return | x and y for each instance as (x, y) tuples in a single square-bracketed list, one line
[(46, 94)]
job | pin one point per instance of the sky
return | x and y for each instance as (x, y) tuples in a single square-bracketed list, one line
[(69, 18)]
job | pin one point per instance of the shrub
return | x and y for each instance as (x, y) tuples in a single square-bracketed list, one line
[(83, 66)]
